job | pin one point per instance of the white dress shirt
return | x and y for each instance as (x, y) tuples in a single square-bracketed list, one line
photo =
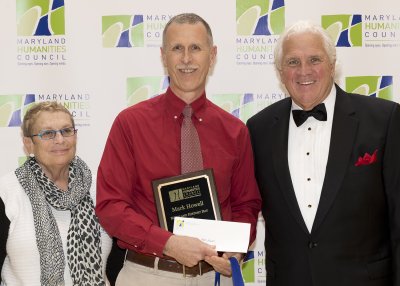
[(308, 150)]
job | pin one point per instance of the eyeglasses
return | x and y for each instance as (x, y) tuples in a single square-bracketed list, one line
[(51, 134)]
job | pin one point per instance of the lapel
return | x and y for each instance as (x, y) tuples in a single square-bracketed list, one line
[(280, 159), (344, 128)]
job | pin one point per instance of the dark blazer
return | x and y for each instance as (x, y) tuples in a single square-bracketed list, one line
[(4, 226), (356, 233)]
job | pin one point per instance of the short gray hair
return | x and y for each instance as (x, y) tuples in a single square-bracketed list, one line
[(187, 18), (33, 113)]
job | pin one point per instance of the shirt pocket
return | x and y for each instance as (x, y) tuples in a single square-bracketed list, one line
[(379, 269)]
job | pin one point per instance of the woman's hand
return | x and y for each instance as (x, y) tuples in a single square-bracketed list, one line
[(222, 264)]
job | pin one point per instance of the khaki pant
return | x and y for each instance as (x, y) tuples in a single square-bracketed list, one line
[(133, 274)]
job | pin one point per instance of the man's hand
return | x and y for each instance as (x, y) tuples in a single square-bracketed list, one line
[(188, 250), (222, 264)]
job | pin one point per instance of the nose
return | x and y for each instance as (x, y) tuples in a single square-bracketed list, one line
[(58, 138), (305, 68), (186, 56)]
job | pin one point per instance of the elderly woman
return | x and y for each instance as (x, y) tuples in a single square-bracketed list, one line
[(53, 237)]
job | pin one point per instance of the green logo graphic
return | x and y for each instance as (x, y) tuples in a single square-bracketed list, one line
[(376, 86), (260, 17), (22, 160), (142, 88), (229, 102), (123, 31), (40, 17), (248, 269), (345, 30), (13, 108)]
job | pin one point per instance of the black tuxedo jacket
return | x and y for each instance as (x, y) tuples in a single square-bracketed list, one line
[(356, 233)]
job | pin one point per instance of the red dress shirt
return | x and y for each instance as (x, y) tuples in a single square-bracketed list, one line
[(144, 145)]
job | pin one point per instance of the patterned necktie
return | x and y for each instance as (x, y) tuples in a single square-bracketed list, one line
[(318, 112), (191, 159)]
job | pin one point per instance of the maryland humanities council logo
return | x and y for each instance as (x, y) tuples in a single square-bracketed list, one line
[(258, 24), (376, 86), (40, 32), (128, 31), (78, 103), (142, 88), (13, 108), (245, 105), (372, 30)]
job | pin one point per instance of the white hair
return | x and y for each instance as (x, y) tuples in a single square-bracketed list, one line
[(301, 27)]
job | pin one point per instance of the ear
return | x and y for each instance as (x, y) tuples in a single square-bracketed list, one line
[(213, 55), (163, 57), (333, 69), (281, 75), (28, 144)]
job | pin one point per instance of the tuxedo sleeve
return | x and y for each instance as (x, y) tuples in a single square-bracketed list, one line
[(391, 173)]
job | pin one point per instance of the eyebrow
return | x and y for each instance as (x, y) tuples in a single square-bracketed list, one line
[(53, 128)]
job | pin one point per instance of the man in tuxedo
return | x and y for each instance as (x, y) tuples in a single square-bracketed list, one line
[(327, 165)]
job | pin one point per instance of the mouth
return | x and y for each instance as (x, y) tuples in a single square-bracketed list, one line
[(63, 151), (187, 70), (306, 82)]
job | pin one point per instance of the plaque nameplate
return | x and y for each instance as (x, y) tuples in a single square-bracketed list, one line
[(188, 195)]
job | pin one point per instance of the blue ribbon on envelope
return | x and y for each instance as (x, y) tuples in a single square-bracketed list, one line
[(237, 277)]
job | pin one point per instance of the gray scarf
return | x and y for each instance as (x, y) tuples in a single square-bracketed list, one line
[(83, 241)]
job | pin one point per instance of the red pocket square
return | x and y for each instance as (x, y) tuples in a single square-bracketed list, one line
[(367, 159)]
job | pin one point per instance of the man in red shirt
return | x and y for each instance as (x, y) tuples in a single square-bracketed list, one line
[(144, 145)]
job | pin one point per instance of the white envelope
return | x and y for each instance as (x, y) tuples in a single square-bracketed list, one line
[(227, 236)]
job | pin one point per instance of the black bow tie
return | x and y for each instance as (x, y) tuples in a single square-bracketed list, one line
[(318, 112)]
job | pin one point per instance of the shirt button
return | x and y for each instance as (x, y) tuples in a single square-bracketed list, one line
[(200, 119), (308, 179), (312, 244), (309, 206), (175, 117), (155, 254), (308, 153), (309, 128)]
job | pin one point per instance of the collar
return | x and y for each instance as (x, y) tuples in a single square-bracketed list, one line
[(175, 105), (329, 102)]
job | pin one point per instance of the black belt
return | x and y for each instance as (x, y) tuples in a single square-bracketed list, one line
[(168, 265)]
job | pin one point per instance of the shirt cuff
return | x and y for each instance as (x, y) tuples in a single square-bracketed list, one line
[(157, 238)]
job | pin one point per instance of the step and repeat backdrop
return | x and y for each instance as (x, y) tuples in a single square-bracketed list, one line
[(98, 57)]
